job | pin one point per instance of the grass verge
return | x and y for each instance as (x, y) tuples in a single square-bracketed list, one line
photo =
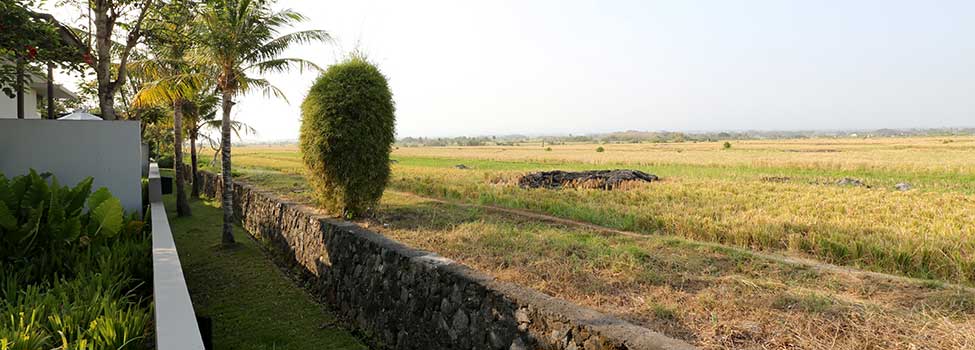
[(252, 303)]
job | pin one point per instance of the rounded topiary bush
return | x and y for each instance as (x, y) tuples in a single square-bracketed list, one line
[(347, 130)]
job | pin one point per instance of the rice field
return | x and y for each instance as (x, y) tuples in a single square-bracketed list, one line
[(691, 271), (779, 196), (709, 295)]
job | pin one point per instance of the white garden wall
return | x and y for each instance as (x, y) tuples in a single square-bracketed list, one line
[(8, 106), (108, 151)]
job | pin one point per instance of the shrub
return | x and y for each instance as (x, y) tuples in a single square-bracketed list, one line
[(347, 130), (70, 275), (548, 149), (600, 149), (727, 145), (42, 219), (165, 162)]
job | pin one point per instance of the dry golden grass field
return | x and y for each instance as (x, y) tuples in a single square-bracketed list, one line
[(698, 266)]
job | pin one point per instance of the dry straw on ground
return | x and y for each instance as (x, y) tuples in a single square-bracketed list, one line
[(770, 196)]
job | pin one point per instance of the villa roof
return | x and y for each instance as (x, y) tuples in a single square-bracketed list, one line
[(60, 92)]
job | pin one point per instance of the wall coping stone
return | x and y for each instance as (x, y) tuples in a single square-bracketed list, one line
[(175, 319)]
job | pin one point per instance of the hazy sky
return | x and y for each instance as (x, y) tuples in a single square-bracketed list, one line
[(546, 67)]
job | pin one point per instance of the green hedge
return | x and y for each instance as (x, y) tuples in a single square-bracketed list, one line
[(165, 162), (347, 131), (74, 270)]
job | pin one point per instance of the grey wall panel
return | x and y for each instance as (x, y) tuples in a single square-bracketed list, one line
[(108, 151)]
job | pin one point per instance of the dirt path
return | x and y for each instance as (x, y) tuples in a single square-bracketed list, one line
[(810, 263)]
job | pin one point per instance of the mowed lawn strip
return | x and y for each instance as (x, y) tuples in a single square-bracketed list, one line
[(253, 305)]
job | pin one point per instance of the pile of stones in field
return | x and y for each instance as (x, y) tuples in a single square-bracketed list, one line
[(900, 186), (781, 179), (847, 181), (601, 179)]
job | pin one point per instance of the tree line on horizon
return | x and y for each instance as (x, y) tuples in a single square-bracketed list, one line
[(633, 136)]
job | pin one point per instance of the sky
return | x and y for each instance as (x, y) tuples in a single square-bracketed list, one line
[(469, 68)]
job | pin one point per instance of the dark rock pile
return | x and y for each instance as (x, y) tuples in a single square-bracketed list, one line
[(601, 179), (847, 181), (776, 179)]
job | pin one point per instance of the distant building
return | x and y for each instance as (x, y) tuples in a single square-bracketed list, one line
[(67, 48), (36, 91)]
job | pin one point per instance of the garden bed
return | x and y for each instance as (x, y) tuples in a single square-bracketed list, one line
[(71, 277)]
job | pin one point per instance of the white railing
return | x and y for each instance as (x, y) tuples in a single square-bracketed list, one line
[(176, 326)]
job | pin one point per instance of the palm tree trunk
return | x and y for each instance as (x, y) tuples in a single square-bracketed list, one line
[(227, 195), (182, 205), (195, 192)]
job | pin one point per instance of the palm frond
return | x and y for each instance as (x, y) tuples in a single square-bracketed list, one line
[(236, 126), (267, 89), (281, 65), (277, 46), (237, 37), (169, 88)]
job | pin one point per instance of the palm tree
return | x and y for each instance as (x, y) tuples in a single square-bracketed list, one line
[(201, 109), (239, 38), (200, 113), (170, 79)]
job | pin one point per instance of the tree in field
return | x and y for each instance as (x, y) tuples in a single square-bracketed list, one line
[(347, 129), (239, 38), (170, 78)]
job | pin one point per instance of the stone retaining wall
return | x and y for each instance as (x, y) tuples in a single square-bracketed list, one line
[(410, 299)]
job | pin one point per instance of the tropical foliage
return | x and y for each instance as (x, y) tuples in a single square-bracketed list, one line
[(72, 268), (240, 38), (31, 40), (347, 131), (171, 79)]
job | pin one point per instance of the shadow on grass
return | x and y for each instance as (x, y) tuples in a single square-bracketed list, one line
[(427, 215)]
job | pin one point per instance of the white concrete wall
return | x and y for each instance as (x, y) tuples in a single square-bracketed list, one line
[(8, 106), (108, 151)]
